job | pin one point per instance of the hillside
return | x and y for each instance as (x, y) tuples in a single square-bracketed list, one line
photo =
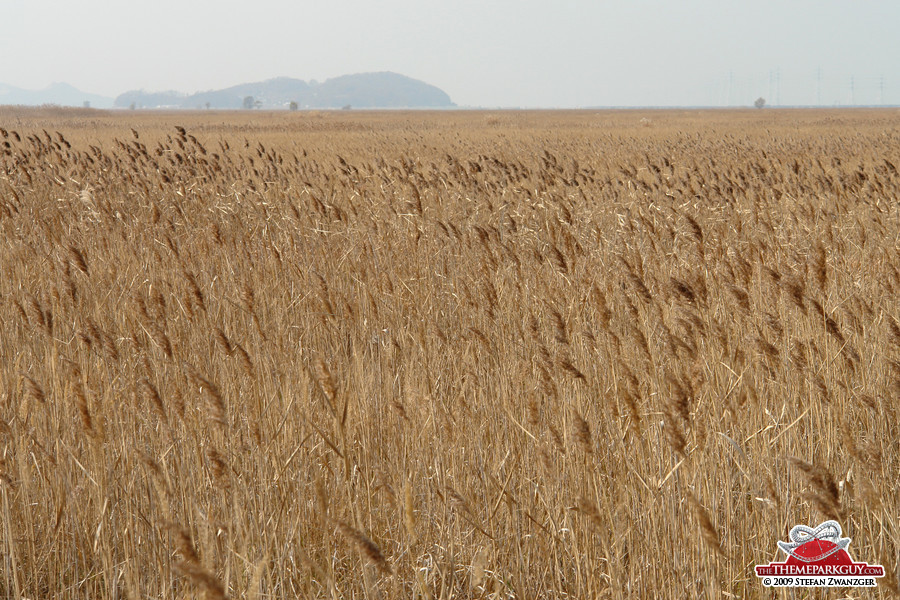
[(364, 90), (62, 94)]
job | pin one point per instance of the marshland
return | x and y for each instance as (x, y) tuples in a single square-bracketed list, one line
[(586, 354)]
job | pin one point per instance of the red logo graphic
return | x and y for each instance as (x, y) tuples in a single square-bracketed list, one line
[(818, 558)]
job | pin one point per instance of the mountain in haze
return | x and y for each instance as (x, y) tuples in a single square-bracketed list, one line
[(61, 94), (363, 90), (378, 90), (274, 93)]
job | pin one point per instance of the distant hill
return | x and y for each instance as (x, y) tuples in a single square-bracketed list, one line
[(61, 94), (141, 99), (274, 93), (377, 90), (364, 90)]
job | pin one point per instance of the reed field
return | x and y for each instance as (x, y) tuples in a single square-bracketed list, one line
[(444, 355)]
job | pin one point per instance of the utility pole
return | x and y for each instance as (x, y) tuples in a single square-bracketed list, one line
[(778, 86), (730, 88), (819, 86), (851, 91), (771, 98), (881, 94)]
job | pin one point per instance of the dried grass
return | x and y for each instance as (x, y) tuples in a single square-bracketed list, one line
[(443, 355)]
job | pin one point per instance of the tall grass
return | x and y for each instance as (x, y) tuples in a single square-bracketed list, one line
[(561, 355)]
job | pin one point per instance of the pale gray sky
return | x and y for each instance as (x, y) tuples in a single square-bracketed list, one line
[(527, 53)]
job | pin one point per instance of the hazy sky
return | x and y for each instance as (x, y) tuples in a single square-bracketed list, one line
[(528, 53)]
